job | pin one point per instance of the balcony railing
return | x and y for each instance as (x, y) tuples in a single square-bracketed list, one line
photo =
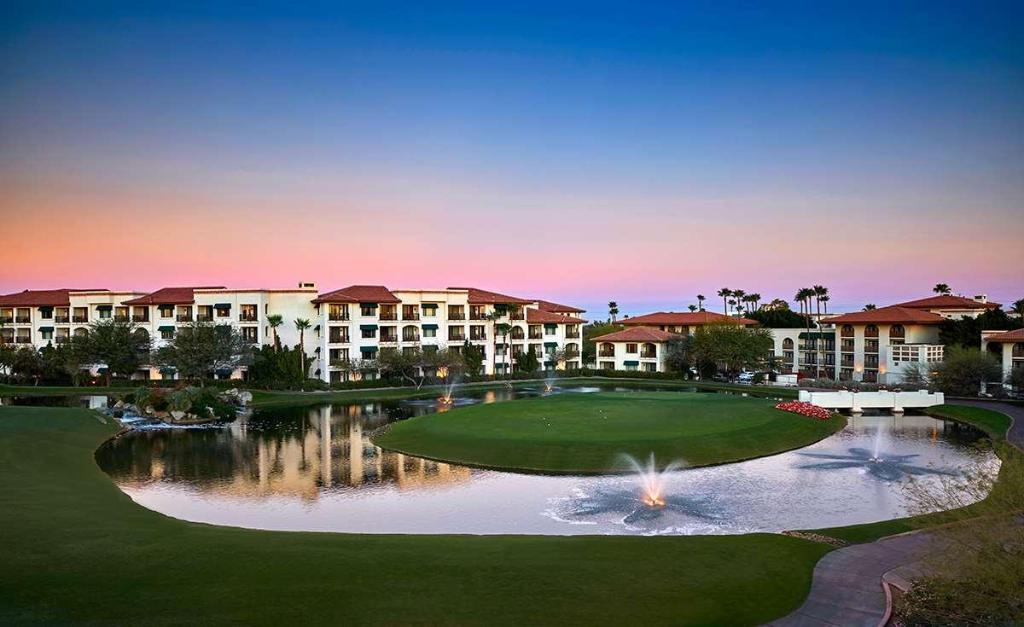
[(477, 337), (140, 318), (338, 339), (410, 338), (414, 315), (23, 339), (606, 353), (388, 315), (516, 315), (184, 318), (23, 319), (80, 319), (62, 339), (572, 335), (456, 337), (248, 317), (648, 355), (62, 319), (204, 318), (389, 339), (121, 318), (536, 336), (338, 317), (456, 316)]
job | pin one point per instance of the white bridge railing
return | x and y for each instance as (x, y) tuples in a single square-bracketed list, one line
[(857, 401)]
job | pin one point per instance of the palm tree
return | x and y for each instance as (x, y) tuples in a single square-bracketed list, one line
[(301, 324), (1018, 307), (824, 299), (700, 301), (820, 291), (693, 307), (755, 299), (275, 321), (803, 296), (870, 307), (725, 293), (613, 310), (942, 288), (732, 303), (739, 295)]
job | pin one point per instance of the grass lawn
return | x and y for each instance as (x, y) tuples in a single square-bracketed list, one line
[(991, 422), (75, 549), (585, 433)]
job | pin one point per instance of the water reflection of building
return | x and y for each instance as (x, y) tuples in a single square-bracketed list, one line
[(329, 448)]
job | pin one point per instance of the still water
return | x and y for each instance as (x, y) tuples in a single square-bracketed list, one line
[(316, 469)]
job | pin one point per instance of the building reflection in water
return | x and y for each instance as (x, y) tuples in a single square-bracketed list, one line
[(302, 452)]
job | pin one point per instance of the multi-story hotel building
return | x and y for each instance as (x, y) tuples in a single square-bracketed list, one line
[(642, 345), (1007, 347), (347, 326)]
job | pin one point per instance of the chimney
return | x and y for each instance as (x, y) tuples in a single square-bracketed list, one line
[(307, 285), (981, 298)]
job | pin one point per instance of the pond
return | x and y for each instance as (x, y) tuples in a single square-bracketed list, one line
[(316, 469)]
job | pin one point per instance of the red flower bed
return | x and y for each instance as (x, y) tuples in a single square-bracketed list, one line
[(805, 409)]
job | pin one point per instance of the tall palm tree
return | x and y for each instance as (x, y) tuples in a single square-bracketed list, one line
[(755, 299), (942, 288), (870, 307), (693, 308), (732, 304), (803, 296), (301, 324), (820, 291), (725, 293), (700, 301), (824, 299), (275, 321), (739, 295), (613, 310), (1018, 307)]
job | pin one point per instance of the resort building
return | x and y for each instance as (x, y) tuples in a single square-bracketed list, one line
[(1007, 347), (360, 320), (348, 327), (637, 348), (953, 307), (683, 322)]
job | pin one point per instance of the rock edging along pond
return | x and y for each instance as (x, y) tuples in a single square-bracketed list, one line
[(587, 433)]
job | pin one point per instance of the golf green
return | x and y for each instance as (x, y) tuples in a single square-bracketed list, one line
[(589, 433)]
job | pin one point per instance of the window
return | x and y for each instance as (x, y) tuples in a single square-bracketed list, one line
[(607, 350), (46, 313), (649, 351), (476, 312), (897, 331), (166, 311), (223, 311), (411, 333), (80, 314), (846, 331), (607, 365), (650, 367), (871, 331), (337, 313), (248, 313), (456, 312), (517, 333), (250, 334), (46, 334), (368, 332), (535, 333), (337, 335), (338, 355), (631, 348), (787, 344), (368, 310), (140, 314), (429, 310), (166, 333), (388, 312), (456, 334), (410, 312), (630, 367), (104, 313), (430, 331), (477, 332)]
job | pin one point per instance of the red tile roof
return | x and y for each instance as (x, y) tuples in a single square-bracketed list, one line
[(359, 294), (538, 316), (638, 334), (894, 314), (947, 301), (547, 305), (1017, 335), (42, 298), (171, 296), (679, 318), (483, 297)]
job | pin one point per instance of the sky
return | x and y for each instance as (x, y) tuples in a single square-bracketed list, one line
[(584, 152)]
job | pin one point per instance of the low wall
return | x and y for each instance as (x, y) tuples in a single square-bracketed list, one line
[(856, 401)]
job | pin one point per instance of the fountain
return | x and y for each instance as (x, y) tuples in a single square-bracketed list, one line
[(876, 455), (549, 385), (447, 398), (651, 480)]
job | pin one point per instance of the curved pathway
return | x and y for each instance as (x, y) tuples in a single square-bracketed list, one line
[(847, 588)]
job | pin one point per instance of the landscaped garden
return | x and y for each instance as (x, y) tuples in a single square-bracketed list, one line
[(588, 433)]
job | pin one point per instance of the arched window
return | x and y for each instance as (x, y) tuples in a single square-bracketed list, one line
[(517, 333), (572, 349), (142, 333), (80, 332), (648, 350), (871, 331), (410, 333), (897, 331), (787, 344), (607, 349), (846, 331)]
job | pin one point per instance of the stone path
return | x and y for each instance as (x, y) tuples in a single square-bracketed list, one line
[(847, 589)]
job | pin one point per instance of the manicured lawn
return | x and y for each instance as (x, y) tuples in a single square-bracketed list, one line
[(991, 422), (586, 433), (75, 549)]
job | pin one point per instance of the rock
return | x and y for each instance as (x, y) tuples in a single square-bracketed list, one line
[(119, 405), (245, 397), (162, 415), (149, 410), (178, 415)]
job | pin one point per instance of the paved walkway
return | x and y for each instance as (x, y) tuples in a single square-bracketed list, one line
[(847, 587)]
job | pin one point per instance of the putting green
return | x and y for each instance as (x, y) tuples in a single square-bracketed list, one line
[(588, 433)]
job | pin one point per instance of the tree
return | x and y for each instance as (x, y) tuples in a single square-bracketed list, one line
[(870, 307), (738, 296), (778, 318), (613, 310), (731, 347), (966, 331), (725, 293), (819, 291), (202, 348), (700, 301), (410, 365), (803, 296), (528, 361), (6, 359), (118, 344), (755, 298), (72, 356), (472, 358), (301, 324), (965, 370), (677, 355), (27, 364), (942, 288), (590, 331), (275, 320), (1016, 378), (1018, 307), (692, 308)]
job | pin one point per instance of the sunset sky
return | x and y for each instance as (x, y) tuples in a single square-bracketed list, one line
[(641, 153)]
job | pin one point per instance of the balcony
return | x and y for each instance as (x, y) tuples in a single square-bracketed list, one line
[(517, 315), (412, 317), (606, 353), (456, 337), (456, 316), (62, 319), (648, 355), (121, 318), (337, 339), (389, 339), (138, 318), (6, 319), (572, 335), (248, 317), (477, 337), (388, 315), (410, 338), (62, 339), (23, 320), (184, 318), (23, 339), (80, 319), (204, 318), (536, 336), (338, 317)]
